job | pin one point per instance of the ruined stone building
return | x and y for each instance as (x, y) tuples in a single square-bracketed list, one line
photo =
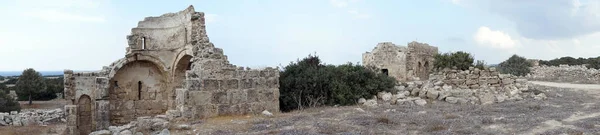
[(170, 68), (403, 63)]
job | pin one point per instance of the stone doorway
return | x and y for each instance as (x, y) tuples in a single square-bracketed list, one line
[(84, 122)]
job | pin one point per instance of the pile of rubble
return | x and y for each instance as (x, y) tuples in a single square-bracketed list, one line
[(157, 125), (32, 117), (565, 73), (473, 86)]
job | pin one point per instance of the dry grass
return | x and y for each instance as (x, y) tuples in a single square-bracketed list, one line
[(50, 104), (32, 130)]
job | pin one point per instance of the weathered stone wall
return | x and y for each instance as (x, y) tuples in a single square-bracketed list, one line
[(388, 56), (420, 59), (170, 68), (565, 73), (38, 117), (471, 86), (403, 63)]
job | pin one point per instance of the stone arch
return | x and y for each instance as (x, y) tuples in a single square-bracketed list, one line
[(133, 58), (84, 112), (182, 65), (137, 88), (426, 70)]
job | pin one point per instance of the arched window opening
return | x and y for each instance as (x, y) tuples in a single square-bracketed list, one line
[(143, 43), (139, 90), (189, 66)]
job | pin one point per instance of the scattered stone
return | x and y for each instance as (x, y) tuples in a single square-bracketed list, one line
[(267, 113), (371, 103), (420, 102), (359, 109), (126, 132), (101, 132), (183, 127), (452, 100), (540, 96), (165, 132), (361, 101)]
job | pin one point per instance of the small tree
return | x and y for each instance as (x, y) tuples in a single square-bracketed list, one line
[(460, 60), (7, 103), (515, 65), (480, 64), (30, 83)]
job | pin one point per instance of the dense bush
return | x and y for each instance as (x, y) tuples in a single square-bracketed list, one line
[(309, 83), (460, 60), (515, 65), (7, 103), (591, 62)]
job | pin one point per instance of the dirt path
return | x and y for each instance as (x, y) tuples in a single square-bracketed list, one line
[(592, 89)]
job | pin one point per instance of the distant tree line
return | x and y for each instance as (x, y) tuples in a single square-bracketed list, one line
[(589, 62)]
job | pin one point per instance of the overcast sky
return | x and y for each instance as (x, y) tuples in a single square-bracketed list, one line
[(88, 34)]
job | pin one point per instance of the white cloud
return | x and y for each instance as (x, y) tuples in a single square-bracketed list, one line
[(346, 4), (211, 18), (61, 16), (64, 10), (341, 3), (457, 2), (495, 39), (359, 15)]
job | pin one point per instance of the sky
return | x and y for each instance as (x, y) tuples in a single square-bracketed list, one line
[(88, 34)]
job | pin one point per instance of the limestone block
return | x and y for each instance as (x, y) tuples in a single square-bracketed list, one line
[(181, 96), (371, 103), (452, 100), (246, 83), (420, 102), (432, 94), (361, 101), (211, 84), (200, 97), (486, 98), (102, 115)]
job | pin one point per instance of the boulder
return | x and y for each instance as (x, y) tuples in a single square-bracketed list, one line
[(386, 96), (371, 103), (432, 94), (420, 102), (101, 132), (126, 132), (361, 101), (452, 100), (183, 127), (486, 98), (164, 132), (540, 96), (267, 113)]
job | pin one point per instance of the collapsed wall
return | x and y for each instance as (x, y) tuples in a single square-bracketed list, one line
[(473, 86), (565, 73)]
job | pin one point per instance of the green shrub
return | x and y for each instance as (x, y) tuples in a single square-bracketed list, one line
[(309, 83), (460, 60), (7, 103), (515, 65), (480, 64), (591, 62)]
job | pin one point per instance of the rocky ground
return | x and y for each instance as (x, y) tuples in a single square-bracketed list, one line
[(565, 111), (572, 109)]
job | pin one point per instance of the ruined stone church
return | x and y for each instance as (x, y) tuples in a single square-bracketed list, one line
[(411, 63), (172, 68)]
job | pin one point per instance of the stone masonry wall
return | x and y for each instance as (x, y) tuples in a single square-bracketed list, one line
[(565, 73), (170, 68), (471, 86), (403, 63), (387, 55)]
